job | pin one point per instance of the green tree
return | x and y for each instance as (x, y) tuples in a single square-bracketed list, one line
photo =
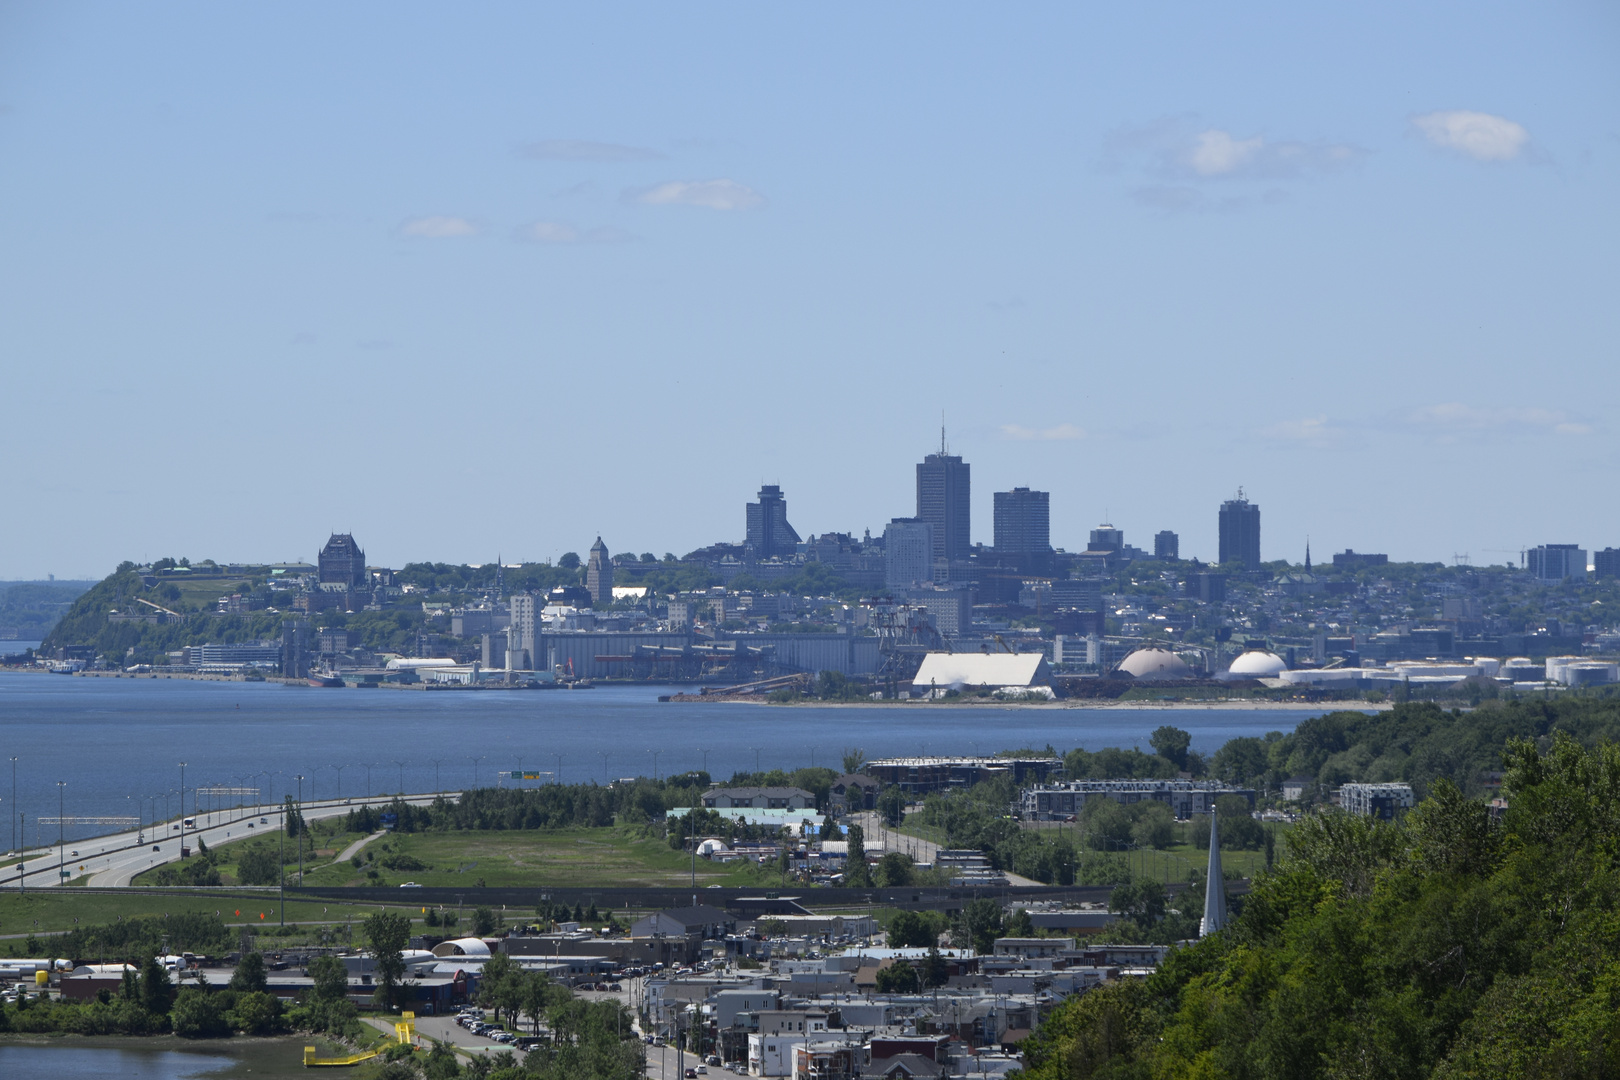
[(857, 875), (388, 935), (854, 758), (198, 1014), (898, 978), (250, 973), (569, 560), (256, 1013), (977, 926), (891, 803), (913, 930), (156, 992), (935, 972), (258, 866), (483, 921), (894, 870), (1171, 743), (329, 979)]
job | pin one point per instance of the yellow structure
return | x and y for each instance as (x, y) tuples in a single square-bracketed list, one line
[(404, 1031)]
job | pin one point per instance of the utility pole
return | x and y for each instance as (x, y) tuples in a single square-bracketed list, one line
[(281, 869), (182, 808), (14, 846)]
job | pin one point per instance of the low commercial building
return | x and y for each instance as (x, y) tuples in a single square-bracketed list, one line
[(764, 798)]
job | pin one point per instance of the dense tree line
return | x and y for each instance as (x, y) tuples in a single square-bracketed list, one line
[(1453, 943)]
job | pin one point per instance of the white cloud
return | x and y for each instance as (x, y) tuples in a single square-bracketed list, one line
[(558, 232), (1216, 153), (1060, 433), (1180, 150), (1312, 431), (1452, 418), (713, 194), (584, 150), (1481, 136), (438, 228)]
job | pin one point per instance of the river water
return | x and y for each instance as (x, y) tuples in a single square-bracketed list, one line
[(116, 742), (66, 1062)]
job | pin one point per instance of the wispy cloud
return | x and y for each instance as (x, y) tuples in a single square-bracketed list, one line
[(561, 233), (712, 194), (1452, 419), (1478, 135), (585, 150), (1187, 165), (1311, 431), (1060, 433), (438, 228)]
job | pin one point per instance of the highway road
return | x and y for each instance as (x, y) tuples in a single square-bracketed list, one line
[(113, 861)]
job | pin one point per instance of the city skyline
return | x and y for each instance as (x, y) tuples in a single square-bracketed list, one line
[(1355, 261)]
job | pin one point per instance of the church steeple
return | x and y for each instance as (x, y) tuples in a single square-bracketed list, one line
[(1307, 554), (1214, 883)]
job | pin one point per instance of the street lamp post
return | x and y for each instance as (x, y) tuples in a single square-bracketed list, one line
[(182, 808), (436, 788), (368, 766), (61, 833), (401, 765), (475, 762), (14, 808), (340, 769), (559, 767), (655, 754), (298, 808)]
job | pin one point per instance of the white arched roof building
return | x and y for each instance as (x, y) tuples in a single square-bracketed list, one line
[(1152, 662)]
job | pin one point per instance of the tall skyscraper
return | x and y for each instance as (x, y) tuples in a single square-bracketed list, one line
[(1240, 532), (1166, 545), (342, 562), (523, 635), (599, 575), (943, 493), (769, 534), (908, 553), (1023, 528)]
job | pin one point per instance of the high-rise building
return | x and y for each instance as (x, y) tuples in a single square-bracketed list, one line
[(943, 492), (1166, 545), (1107, 538), (1023, 528), (1606, 563), (294, 648), (342, 562), (908, 553), (769, 534), (1555, 562), (599, 575), (1240, 532), (523, 634)]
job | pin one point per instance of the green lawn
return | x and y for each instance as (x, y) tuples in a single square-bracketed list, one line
[(56, 910), (585, 857), (1170, 864)]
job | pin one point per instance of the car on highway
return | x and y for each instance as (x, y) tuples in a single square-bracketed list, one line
[(264, 821), (157, 847), (409, 885), (74, 853)]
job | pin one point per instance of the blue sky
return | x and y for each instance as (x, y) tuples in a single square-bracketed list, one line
[(478, 278)]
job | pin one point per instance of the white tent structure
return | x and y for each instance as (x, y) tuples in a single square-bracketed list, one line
[(1010, 672)]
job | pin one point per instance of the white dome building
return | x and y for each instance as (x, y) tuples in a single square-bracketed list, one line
[(1257, 664), (1152, 662)]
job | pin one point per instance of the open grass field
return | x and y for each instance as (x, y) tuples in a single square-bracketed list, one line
[(611, 856), (1172, 864), (49, 911)]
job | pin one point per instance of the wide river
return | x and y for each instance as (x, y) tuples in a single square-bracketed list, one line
[(117, 742)]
